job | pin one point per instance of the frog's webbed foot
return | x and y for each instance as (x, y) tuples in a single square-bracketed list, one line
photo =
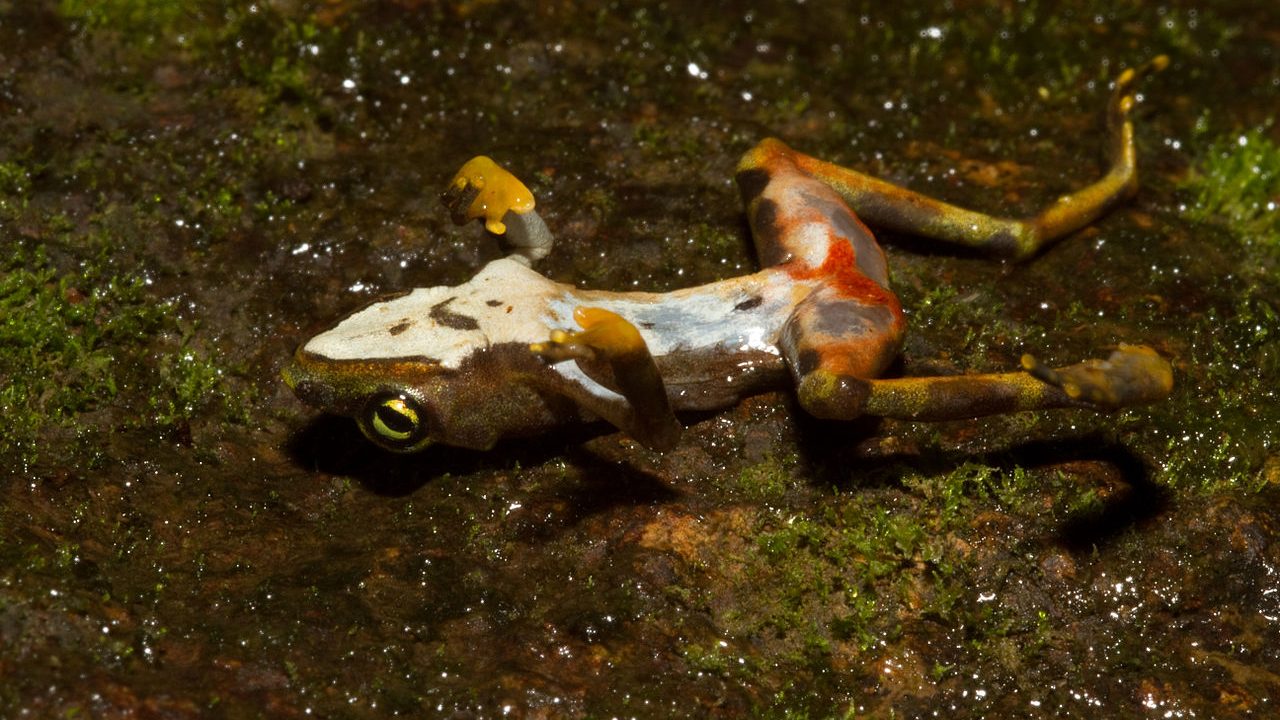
[(483, 190), (609, 342), (1132, 375)]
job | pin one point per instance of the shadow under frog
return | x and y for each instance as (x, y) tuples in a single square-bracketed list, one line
[(513, 354)]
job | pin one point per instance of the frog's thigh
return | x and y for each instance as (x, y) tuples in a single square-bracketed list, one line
[(832, 343)]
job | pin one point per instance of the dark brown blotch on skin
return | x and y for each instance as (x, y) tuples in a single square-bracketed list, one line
[(764, 225), (751, 183), (441, 313)]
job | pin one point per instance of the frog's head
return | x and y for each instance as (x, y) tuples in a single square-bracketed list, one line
[(394, 401), (405, 404), (434, 364)]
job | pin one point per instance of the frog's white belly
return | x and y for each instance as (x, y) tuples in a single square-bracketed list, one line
[(508, 302)]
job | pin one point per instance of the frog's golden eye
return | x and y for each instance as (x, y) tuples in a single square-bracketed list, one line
[(396, 421)]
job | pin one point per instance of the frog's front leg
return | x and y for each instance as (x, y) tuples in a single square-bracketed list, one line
[(483, 190), (1132, 375), (610, 348)]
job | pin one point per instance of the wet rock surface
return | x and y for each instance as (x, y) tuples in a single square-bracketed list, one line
[(189, 190)]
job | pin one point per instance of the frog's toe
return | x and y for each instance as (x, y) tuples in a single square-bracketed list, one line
[(1132, 375), (608, 332), (1129, 78), (562, 345), (604, 334)]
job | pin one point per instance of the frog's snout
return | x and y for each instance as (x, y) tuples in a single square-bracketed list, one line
[(289, 374), (302, 385)]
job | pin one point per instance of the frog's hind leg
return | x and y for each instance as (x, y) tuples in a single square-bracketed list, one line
[(1132, 375), (886, 205), (846, 323)]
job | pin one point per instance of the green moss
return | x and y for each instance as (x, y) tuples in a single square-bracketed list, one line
[(1223, 423), (1225, 413), (768, 480), (714, 660), (279, 61), (15, 188), (600, 203), (1196, 31), (1238, 181), (274, 50), (965, 330), (57, 340), (660, 139), (837, 578), (951, 493), (703, 252), (188, 380), (15, 180), (77, 345), (141, 20), (821, 585)]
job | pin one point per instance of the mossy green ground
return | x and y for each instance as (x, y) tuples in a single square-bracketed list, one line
[(1237, 182), (188, 189), (86, 353)]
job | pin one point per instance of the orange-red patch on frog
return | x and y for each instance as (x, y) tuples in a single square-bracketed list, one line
[(839, 272)]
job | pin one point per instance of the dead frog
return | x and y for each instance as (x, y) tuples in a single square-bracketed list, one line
[(511, 353)]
